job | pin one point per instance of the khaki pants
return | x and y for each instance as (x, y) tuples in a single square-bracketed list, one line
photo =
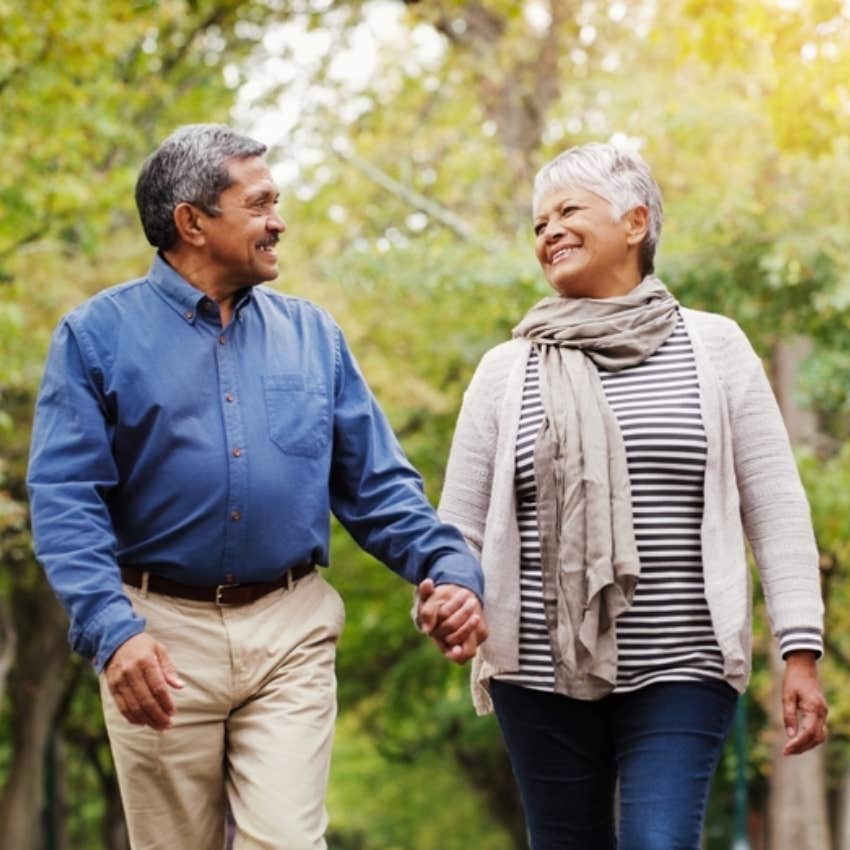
[(253, 726)]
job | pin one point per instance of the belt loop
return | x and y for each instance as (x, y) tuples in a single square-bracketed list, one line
[(289, 582), (144, 586)]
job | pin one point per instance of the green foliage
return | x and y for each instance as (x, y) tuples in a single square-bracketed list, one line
[(740, 107), (87, 89), (419, 803)]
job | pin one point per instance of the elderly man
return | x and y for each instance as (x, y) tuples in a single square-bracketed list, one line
[(193, 433)]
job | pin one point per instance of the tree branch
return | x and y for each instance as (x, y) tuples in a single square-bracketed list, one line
[(19, 243), (413, 198), (8, 642)]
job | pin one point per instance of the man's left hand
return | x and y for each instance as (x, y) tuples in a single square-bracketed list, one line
[(804, 707), (453, 617)]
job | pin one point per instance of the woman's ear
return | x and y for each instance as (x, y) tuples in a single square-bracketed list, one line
[(637, 224), (189, 223)]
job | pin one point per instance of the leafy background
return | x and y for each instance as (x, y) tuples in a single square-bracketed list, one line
[(405, 137)]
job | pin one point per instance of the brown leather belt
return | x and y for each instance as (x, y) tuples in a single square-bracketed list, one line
[(221, 594)]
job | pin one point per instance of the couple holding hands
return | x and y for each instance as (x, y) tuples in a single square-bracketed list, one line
[(195, 430)]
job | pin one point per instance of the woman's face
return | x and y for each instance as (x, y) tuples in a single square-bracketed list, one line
[(585, 251)]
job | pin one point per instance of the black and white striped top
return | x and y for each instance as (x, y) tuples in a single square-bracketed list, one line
[(666, 635)]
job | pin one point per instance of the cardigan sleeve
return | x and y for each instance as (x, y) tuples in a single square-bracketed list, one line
[(469, 473), (774, 508)]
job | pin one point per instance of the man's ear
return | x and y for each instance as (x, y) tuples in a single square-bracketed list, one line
[(190, 224), (637, 224)]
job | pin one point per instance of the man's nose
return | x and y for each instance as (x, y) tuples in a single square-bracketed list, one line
[(276, 222)]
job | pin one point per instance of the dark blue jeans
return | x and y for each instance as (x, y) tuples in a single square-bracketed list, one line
[(663, 742)]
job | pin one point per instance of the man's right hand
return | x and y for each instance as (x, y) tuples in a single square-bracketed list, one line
[(139, 675), (452, 616)]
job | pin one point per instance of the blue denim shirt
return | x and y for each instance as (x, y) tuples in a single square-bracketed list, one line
[(160, 437)]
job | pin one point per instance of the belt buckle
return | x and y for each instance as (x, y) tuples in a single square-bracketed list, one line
[(219, 589)]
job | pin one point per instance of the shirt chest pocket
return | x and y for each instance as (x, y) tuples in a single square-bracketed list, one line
[(298, 412)]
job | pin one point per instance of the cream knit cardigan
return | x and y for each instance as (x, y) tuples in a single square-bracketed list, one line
[(764, 499)]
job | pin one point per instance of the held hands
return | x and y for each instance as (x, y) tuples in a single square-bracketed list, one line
[(452, 616), (139, 675), (803, 704)]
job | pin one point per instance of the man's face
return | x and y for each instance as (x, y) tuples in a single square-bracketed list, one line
[(240, 242)]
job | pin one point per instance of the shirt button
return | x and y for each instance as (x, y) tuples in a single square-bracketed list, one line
[(236, 516), (237, 453), (188, 314), (229, 397), (222, 340)]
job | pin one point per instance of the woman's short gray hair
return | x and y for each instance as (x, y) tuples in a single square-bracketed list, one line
[(618, 175), (190, 166)]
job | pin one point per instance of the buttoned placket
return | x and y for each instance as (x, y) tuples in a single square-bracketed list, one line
[(237, 490)]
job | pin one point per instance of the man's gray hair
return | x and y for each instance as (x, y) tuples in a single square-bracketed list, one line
[(618, 175), (190, 166)]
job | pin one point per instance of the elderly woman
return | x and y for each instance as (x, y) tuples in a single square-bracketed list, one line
[(607, 462)]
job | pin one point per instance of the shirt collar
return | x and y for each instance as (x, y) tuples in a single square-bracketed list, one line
[(180, 294)]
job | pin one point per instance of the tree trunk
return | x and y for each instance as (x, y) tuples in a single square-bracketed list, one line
[(7, 647), (841, 834), (517, 82), (786, 359), (798, 816), (36, 686)]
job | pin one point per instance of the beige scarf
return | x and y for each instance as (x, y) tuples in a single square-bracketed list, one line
[(584, 511)]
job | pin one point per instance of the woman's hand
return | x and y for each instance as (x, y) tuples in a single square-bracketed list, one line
[(804, 707)]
